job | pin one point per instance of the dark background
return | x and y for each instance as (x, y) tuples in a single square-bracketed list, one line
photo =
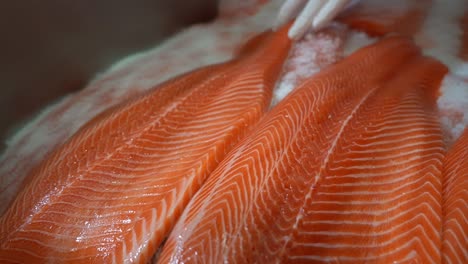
[(50, 48)]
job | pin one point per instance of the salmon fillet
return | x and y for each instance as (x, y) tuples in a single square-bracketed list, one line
[(115, 189), (379, 18), (347, 168), (455, 203), (339, 203), (209, 43)]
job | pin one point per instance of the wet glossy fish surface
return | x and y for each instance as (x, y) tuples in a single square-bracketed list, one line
[(455, 204), (115, 189), (347, 168), (227, 145)]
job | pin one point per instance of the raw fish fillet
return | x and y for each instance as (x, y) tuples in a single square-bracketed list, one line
[(379, 18), (439, 35), (438, 27), (192, 48), (347, 168), (455, 203), (115, 189)]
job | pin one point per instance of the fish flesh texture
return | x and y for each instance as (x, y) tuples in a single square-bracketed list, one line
[(115, 189), (347, 168), (435, 27), (194, 47), (455, 203), (379, 18), (197, 46)]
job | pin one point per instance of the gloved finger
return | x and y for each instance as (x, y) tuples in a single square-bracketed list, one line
[(289, 10), (328, 13), (305, 18)]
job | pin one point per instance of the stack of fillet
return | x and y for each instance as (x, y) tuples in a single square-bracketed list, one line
[(350, 167)]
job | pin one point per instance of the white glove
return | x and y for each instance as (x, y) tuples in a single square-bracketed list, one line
[(315, 14)]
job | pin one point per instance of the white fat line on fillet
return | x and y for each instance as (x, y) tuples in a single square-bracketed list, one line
[(379, 167), (394, 240), (457, 237), (431, 166), (446, 245), (390, 155), (391, 189), (460, 202), (402, 140), (290, 140), (395, 122), (380, 256), (367, 150), (452, 223), (402, 132), (423, 196), (453, 251), (325, 161), (190, 227), (372, 183), (374, 223), (374, 232)]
